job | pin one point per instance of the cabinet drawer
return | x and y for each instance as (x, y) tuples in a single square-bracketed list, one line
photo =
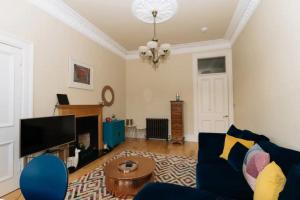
[(176, 109), (176, 121)]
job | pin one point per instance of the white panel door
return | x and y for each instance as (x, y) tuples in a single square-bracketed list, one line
[(213, 113), (10, 113)]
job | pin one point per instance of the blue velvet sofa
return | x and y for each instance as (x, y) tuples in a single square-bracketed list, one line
[(217, 180)]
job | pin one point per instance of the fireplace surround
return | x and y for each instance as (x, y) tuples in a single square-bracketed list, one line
[(89, 137)]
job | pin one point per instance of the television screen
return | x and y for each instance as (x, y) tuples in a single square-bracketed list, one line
[(38, 134)]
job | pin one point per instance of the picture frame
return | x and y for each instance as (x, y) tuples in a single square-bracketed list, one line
[(80, 75)]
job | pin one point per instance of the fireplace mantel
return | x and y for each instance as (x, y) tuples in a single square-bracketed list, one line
[(85, 111)]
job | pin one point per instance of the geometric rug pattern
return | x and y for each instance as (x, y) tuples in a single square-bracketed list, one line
[(169, 169)]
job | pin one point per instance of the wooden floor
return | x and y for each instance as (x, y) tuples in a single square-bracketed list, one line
[(188, 149)]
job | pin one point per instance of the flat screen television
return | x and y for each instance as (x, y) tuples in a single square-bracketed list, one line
[(38, 134)]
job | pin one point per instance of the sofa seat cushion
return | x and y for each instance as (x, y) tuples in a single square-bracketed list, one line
[(165, 191), (285, 158), (222, 179)]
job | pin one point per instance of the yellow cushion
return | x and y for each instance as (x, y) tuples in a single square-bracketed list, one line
[(269, 183), (230, 142)]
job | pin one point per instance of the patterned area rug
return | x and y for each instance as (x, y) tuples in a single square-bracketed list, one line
[(169, 169)]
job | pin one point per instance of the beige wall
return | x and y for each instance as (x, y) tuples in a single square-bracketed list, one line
[(149, 92), (53, 43), (267, 72)]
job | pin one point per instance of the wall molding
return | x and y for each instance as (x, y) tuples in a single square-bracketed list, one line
[(60, 10), (190, 48), (241, 16)]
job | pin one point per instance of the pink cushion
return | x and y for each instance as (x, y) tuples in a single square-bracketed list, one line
[(255, 161)]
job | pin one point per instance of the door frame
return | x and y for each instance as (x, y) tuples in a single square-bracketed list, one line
[(27, 70), (227, 53), (26, 49)]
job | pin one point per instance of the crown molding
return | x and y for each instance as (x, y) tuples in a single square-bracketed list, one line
[(60, 10), (190, 48), (63, 12), (241, 16)]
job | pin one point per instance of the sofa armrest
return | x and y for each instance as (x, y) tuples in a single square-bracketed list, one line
[(210, 146)]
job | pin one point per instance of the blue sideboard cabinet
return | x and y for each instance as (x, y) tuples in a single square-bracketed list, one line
[(114, 132)]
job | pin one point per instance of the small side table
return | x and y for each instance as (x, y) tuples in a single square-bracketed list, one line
[(131, 131)]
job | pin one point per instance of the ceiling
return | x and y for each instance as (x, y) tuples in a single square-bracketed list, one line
[(114, 17)]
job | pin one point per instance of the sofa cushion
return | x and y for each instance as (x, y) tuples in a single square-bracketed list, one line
[(230, 141), (246, 134), (222, 179), (291, 189), (255, 161), (236, 156), (270, 182), (210, 147), (284, 157)]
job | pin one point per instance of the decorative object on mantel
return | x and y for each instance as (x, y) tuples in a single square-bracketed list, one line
[(154, 11), (108, 96), (80, 75)]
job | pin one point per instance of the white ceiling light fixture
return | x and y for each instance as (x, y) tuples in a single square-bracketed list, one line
[(154, 11)]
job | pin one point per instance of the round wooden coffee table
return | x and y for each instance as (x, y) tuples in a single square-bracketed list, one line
[(125, 184)]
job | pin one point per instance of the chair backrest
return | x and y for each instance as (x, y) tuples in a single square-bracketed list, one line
[(45, 177)]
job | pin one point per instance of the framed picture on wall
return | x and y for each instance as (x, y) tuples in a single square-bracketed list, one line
[(80, 75)]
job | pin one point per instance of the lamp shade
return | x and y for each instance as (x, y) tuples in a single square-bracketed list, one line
[(152, 45), (165, 47), (143, 49)]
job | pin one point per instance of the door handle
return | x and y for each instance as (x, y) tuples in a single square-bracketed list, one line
[(225, 116)]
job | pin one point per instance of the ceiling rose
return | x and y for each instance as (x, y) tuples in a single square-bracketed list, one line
[(143, 9)]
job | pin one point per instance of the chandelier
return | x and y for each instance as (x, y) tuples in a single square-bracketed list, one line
[(154, 52), (154, 11)]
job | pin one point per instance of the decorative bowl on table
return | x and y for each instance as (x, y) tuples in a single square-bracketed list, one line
[(128, 166)]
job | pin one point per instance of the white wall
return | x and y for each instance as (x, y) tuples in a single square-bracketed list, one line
[(53, 43), (267, 72), (149, 92)]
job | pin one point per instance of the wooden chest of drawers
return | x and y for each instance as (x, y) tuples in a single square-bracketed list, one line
[(177, 122)]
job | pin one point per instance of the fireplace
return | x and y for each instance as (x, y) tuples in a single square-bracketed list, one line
[(86, 139), (89, 137)]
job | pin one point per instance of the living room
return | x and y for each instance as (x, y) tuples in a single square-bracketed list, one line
[(232, 62)]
